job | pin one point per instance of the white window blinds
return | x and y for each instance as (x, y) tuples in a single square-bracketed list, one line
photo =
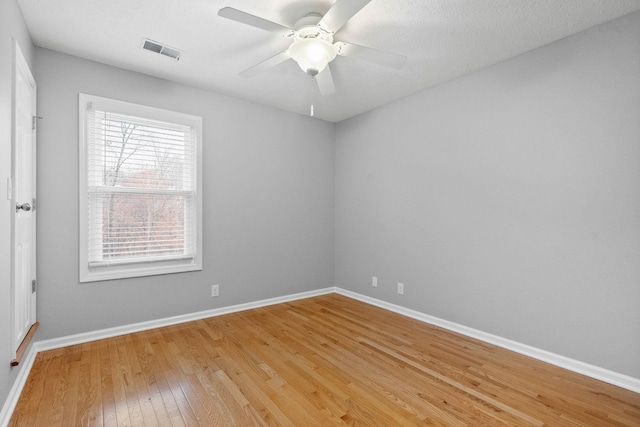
[(141, 186)]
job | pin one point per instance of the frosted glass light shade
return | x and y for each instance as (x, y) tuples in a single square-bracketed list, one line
[(312, 54)]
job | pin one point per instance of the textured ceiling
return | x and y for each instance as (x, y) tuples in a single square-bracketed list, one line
[(442, 39)]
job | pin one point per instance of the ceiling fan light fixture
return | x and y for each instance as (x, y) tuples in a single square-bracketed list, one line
[(312, 54)]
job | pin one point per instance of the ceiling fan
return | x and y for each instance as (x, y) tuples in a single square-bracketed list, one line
[(313, 47)]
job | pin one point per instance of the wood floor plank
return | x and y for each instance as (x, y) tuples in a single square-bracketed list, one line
[(71, 401), (22, 413), (163, 387), (89, 399), (117, 377), (322, 361), (167, 365), (144, 362), (52, 409), (109, 411)]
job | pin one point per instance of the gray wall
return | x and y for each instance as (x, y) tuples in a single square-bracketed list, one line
[(268, 202), (11, 27), (508, 200)]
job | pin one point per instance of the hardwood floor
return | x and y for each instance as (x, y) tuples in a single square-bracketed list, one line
[(322, 361)]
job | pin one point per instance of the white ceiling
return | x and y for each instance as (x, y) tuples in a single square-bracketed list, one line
[(442, 39)]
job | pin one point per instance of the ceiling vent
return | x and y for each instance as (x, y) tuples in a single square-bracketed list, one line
[(156, 47)]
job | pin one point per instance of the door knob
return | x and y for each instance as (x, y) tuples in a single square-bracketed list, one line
[(25, 207)]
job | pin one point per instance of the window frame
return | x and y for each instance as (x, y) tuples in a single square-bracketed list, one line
[(104, 270)]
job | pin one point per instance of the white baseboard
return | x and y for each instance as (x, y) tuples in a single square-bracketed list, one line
[(14, 394), (611, 377), (620, 380), (54, 343)]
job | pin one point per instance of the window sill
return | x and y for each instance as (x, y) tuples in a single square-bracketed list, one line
[(125, 271)]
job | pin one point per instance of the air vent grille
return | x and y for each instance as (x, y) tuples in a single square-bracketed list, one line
[(156, 47)]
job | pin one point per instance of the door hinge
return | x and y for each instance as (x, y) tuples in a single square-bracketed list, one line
[(33, 285), (34, 121)]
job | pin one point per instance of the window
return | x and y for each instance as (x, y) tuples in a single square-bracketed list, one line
[(140, 190)]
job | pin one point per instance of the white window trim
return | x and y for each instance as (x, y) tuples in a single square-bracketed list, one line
[(147, 267)]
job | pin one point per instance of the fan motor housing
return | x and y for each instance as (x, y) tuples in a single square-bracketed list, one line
[(309, 20), (307, 27)]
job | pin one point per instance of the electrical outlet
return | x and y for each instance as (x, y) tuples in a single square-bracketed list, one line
[(401, 288), (374, 281), (215, 290)]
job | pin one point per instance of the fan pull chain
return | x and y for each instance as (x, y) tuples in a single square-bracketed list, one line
[(313, 87)]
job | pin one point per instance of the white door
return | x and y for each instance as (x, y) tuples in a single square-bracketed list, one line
[(24, 194)]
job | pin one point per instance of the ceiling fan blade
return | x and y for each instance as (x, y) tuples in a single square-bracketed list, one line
[(266, 64), (369, 54), (254, 21), (340, 13), (325, 82)]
